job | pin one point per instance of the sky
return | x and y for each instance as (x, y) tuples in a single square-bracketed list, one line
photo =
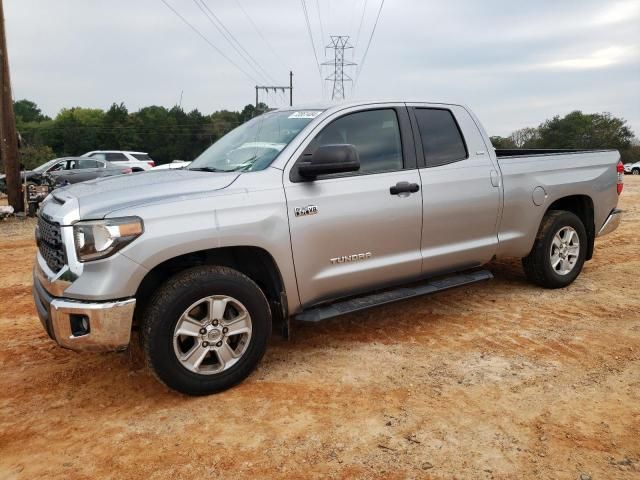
[(515, 63)]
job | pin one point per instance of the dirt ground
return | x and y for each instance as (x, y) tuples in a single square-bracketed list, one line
[(495, 380)]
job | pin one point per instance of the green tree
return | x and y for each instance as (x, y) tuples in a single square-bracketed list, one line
[(27, 111), (31, 157), (502, 142), (75, 131), (579, 130), (117, 131)]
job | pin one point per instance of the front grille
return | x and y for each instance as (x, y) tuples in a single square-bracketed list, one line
[(49, 240)]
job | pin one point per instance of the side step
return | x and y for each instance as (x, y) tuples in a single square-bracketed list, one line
[(342, 307)]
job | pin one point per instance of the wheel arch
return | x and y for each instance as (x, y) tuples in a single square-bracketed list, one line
[(254, 262), (582, 207)]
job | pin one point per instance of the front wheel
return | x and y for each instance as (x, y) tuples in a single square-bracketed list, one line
[(558, 252), (205, 330), (635, 171)]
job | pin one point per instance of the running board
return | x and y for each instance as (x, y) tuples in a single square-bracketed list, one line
[(342, 307)]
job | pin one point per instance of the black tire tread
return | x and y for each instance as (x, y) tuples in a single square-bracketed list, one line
[(156, 308), (533, 268), (534, 264)]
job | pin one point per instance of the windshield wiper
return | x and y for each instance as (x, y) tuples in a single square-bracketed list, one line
[(208, 169)]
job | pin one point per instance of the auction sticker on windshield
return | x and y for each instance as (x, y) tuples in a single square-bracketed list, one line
[(306, 114)]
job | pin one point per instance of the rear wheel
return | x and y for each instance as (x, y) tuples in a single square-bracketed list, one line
[(559, 251), (206, 329), (635, 171)]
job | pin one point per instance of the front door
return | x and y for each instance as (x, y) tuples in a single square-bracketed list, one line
[(354, 232)]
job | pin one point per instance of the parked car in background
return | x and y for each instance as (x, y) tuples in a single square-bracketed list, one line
[(138, 161), (632, 168), (67, 170), (173, 165)]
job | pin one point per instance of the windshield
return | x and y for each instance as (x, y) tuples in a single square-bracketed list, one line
[(45, 166), (255, 144)]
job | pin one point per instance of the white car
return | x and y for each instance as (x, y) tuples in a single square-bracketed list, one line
[(632, 168), (173, 165), (138, 161)]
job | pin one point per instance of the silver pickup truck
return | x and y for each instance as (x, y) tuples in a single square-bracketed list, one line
[(307, 214)]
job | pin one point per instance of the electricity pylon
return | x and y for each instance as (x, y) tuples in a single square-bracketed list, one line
[(339, 43)]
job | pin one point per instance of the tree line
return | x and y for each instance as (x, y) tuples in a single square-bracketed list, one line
[(166, 134), (577, 130), (172, 134)]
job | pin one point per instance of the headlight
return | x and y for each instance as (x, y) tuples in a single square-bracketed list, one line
[(97, 239)]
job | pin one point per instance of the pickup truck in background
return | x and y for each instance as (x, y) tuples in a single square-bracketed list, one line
[(137, 161), (307, 214)]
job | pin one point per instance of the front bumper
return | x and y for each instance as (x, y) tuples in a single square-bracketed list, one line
[(611, 223), (80, 325)]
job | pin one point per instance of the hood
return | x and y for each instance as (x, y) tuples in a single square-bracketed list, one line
[(99, 197)]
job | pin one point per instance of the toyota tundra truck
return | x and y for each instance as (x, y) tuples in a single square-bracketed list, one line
[(307, 214)]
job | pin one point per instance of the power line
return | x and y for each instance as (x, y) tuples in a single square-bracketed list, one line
[(320, 19), (260, 71), (364, 10), (255, 27), (220, 52), (306, 16), (364, 57)]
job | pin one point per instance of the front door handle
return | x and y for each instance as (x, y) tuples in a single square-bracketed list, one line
[(404, 187)]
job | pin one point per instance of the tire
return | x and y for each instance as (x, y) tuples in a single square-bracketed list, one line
[(32, 209), (190, 299), (635, 171), (539, 264)]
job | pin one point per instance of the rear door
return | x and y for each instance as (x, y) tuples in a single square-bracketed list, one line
[(349, 233), (460, 189), (84, 169)]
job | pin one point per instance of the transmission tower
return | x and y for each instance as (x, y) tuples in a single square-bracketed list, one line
[(339, 43)]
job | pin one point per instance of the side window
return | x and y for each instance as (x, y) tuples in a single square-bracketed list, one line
[(82, 164), (57, 167), (374, 133), (442, 141), (116, 157), (98, 155)]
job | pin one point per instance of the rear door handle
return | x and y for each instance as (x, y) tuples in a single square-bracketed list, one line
[(404, 187)]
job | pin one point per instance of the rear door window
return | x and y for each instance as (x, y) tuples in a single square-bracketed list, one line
[(83, 164), (116, 157), (442, 141)]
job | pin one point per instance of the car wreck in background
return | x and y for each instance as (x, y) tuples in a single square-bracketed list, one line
[(60, 172)]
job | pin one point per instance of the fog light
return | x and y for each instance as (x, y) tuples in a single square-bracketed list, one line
[(79, 324)]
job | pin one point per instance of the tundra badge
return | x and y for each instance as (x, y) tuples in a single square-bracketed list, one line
[(351, 258)]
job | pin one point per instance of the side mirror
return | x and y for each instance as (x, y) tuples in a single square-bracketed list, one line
[(329, 159)]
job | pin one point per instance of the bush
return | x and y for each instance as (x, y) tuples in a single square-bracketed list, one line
[(31, 156)]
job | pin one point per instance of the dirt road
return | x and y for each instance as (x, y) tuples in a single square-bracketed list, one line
[(496, 380)]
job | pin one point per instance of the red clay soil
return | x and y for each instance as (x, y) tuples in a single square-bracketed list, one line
[(496, 380)]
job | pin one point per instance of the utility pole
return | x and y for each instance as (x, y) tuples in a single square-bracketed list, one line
[(8, 133), (276, 88), (339, 43)]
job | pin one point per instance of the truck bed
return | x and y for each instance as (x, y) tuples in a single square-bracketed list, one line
[(549, 175)]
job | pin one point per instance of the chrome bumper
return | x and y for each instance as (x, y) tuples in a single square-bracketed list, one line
[(611, 223), (79, 325)]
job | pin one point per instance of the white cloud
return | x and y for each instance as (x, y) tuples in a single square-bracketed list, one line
[(618, 13), (600, 58)]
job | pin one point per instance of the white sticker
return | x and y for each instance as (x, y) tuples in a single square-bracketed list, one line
[(306, 114)]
